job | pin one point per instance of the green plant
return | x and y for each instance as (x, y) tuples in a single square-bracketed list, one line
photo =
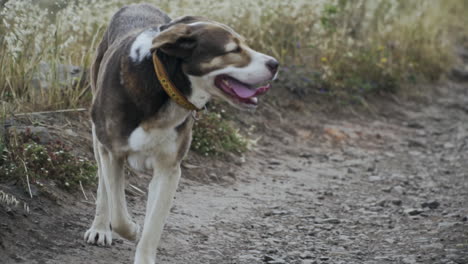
[(213, 135), (26, 160)]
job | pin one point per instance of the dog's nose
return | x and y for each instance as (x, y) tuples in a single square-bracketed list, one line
[(272, 65)]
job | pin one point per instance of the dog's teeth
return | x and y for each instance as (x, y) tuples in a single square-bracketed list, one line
[(254, 100), (226, 82)]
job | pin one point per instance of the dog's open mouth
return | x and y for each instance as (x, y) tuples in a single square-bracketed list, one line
[(240, 91)]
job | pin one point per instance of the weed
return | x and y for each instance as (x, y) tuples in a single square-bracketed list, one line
[(213, 135), (32, 163)]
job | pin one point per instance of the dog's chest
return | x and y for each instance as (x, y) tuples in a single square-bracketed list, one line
[(149, 147)]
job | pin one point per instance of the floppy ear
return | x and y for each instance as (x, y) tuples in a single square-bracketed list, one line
[(177, 41)]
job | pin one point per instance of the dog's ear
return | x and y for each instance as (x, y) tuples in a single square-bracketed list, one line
[(177, 41)]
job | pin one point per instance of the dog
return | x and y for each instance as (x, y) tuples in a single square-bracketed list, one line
[(150, 73)]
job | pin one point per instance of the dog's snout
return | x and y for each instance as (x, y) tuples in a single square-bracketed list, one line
[(272, 65)]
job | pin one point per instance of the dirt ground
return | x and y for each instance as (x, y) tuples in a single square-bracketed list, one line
[(388, 187)]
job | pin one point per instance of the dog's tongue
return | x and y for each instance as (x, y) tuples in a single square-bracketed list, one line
[(241, 90)]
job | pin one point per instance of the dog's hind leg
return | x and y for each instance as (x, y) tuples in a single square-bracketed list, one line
[(161, 193), (100, 232)]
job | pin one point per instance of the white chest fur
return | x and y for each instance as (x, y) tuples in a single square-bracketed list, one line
[(148, 147)]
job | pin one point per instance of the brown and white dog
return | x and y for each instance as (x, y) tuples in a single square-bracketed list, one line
[(135, 121)]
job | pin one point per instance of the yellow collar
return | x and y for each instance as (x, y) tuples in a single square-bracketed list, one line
[(169, 87)]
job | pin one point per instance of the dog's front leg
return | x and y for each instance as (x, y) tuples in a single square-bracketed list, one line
[(161, 193), (100, 232)]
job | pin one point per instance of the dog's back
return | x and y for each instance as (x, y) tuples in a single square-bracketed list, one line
[(133, 18), (130, 19)]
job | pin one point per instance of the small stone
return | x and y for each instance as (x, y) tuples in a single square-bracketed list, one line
[(10, 212), (277, 261), (413, 211), (250, 258), (415, 143), (335, 133), (17, 258), (399, 190), (459, 73), (382, 258), (274, 162), (294, 169), (306, 155), (276, 212), (449, 145), (387, 189), (306, 256), (71, 132), (415, 125), (415, 153), (421, 133), (214, 177), (409, 260), (397, 202), (382, 203), (431, 204), (331, 221), (42, 133), (272, 251), (375, 178), (446, 224)]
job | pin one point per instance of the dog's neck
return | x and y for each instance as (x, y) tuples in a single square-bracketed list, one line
[(148, 100), (182, 82)]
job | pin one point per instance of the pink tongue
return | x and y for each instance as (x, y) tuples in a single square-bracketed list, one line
[(241, 90)]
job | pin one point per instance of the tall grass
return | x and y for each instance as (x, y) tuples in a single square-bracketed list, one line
[(347, 47)]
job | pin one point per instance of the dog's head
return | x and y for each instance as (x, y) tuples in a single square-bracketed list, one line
[(217, 60)]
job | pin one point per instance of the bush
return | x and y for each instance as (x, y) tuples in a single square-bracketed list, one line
[(214, 136), (24, 159)]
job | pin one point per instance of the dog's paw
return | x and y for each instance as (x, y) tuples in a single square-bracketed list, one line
[(130, 231), (98, 236)]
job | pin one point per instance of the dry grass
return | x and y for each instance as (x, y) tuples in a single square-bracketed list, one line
[(10, 200), (351, 47)]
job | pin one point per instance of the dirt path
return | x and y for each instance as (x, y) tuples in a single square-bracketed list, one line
[(386, 189)]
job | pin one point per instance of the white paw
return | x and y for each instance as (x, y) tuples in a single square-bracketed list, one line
[(99, 236), (130, 231)]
